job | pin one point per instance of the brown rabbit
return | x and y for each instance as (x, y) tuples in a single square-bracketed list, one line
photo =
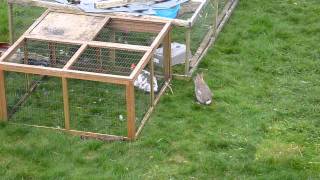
[(202, 91)]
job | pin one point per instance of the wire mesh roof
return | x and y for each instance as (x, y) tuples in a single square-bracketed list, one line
[(82, 44)]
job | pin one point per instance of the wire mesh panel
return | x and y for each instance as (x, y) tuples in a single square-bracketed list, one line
[(97, 107), (202, 26), (42, 53), (34, 99), (125, 32), (23, 17), (142, 103), (107, 61)]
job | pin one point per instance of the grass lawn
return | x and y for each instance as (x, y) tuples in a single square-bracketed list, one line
[(264, 123)]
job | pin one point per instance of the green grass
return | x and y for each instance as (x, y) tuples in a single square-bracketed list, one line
[(264, 123), (3, 22)]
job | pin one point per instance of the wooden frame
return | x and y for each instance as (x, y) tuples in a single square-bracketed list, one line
[(65, 73), (192, 62)]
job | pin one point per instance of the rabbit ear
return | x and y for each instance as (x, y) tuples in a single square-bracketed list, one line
[(201, 75)]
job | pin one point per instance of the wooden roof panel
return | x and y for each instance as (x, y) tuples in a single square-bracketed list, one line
[(69, 26)]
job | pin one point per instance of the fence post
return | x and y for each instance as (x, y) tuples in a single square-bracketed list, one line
[(131, 114), (167, 56), (3, 101)]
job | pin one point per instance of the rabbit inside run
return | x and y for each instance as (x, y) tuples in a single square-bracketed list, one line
[(202, 91)]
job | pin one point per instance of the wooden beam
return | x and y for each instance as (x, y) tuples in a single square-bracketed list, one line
[(84, 134), (12, 49), (75, 56), (10, 23), (66, 103), (29, 89), (156, 43), (91, 43), (108, 78), (131, 114), (167, 56), (3, 101), (136, 26), (99, 29)]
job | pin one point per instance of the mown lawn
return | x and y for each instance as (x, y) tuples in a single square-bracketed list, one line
[(264, 123)]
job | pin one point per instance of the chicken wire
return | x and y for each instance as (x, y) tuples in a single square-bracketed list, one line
[(123, 32), (107, 61), (97, 107), (23, 17), (203, 26), (42, 53), (34, 99), (143, 84)]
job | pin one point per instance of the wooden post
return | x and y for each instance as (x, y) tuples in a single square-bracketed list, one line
[(131, 114), (188, 50), (151, 65), (10, 23), (53, 56), (66, 103), (167, 56), (3, 102)]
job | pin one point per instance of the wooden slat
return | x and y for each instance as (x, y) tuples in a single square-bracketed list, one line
[(151, 109), (99, 29), (12, 49), (30, 88), (75, 56), (108, 78), (167, 56), (131, 115), (91, 43), (99, 136), (145, 59), (66, 103), (3, 102), (136, 26)]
